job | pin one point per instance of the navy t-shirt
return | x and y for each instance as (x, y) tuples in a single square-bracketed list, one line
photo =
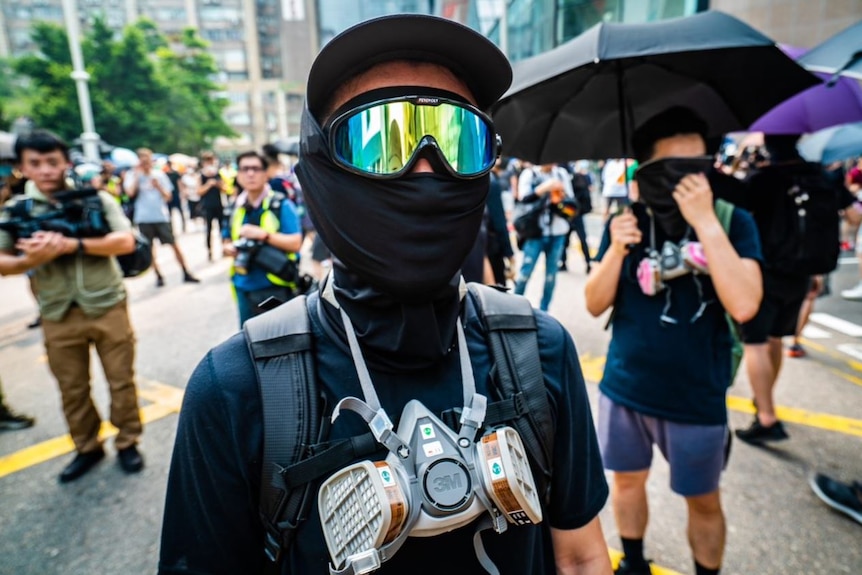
[(679, 372), (211, 522)]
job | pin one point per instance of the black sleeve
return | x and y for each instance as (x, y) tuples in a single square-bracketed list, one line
[(211, 521), (579, 489)]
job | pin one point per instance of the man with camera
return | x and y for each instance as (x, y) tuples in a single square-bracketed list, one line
[(669, 363), (263, 238), (81, 298)]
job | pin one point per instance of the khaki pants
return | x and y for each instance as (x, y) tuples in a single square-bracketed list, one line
[(67, 343)]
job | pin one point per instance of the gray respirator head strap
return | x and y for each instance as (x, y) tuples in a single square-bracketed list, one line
[(472, 420)]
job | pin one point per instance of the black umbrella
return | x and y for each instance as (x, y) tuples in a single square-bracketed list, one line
[(840, 55), (581, 100)]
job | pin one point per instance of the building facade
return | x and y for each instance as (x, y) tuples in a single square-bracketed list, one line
[(264, 48)]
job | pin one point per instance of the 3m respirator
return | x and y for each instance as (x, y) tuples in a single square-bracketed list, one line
[(433, 480)]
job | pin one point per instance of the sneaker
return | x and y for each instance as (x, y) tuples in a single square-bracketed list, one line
[(190, 279), (757, 433), (854, 293), (626, 569), (160, 281), (11, 421), (796, 350), (839, 496), (130, 459)]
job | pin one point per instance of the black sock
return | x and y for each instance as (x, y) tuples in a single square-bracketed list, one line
[(633, 549), (701, 570)]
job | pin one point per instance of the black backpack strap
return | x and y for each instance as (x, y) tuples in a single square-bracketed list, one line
[(280, 342), (517, 372)]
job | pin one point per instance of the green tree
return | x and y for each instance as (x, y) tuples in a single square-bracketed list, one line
[(195, 114), (142, 93)]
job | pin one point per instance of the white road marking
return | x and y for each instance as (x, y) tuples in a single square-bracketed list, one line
[(837, 324), (854, 350), (812, 332)]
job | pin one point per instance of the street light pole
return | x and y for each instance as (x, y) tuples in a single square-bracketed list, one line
[(503, 23), (89, 137)]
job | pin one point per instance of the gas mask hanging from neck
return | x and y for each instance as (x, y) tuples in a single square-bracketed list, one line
[(656, 181), (406, 237), (434, 479)]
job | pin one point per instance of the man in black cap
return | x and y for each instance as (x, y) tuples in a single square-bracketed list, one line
[(395, 157)]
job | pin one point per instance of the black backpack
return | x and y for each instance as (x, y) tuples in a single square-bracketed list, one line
[(800, 229), (295, 418)]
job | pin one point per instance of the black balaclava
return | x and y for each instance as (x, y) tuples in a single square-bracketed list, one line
[(399, 246), (656, 181)]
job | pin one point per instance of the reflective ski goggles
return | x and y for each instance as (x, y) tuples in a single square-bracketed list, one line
[(383, 139)]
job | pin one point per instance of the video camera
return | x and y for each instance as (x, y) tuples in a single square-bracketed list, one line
[(252, 254), (78, 214)]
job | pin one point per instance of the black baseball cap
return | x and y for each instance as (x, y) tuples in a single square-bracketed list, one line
[(471, 56)]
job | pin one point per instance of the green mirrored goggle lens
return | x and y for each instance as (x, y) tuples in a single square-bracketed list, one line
[(382, 139)]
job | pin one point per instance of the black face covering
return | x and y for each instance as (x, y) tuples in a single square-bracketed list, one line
[(406, 237), (656, 181)]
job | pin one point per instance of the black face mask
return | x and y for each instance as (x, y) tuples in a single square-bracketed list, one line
[(656, 181), (406, 237)]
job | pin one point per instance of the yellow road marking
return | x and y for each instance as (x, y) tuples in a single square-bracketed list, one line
[(654, 569), (852, 364), (847, 376), (166, 400), (593, 367)]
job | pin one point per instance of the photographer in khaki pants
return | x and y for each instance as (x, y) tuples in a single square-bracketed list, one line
[(82, 300)]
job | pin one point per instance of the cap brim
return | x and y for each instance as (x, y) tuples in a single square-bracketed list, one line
[(471, 56)]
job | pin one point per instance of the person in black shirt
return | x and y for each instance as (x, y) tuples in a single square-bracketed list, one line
[(398, 239), (211, 205)]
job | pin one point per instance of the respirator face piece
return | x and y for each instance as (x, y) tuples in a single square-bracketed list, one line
[(672, 262), (439, 486)]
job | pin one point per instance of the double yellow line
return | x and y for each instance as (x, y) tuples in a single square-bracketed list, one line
[(163, 401)]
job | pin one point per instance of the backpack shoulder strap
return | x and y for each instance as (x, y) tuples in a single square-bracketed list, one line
[(280, 343), (724, 211), (517, 373)]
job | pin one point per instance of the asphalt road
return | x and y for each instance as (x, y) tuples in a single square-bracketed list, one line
[(108, 522)]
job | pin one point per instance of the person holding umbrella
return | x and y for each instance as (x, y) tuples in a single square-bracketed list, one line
[(669, 363)]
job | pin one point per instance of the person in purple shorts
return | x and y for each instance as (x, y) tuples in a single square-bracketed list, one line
[(669, 363)]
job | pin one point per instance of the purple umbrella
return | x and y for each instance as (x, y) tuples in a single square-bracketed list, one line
[(814, 109)]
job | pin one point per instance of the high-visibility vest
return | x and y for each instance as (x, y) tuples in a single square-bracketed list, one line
[(270, 222)]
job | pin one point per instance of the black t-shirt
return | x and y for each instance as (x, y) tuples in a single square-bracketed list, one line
[(211, 201), (211, 522)]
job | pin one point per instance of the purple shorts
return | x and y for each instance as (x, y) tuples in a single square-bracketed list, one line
[(697, 454)]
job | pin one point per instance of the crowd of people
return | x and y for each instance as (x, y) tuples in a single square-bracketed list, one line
[(700, 264)]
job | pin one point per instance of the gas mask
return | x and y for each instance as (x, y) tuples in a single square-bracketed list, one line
[(434, 480), (674, 260)]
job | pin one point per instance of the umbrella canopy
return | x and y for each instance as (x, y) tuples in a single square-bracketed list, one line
[(816, 108), (841, 54), (123, 158), (833, 144), (581, 100)]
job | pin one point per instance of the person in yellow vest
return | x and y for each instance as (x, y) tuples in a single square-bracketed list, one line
[(228, 176), (260, 220)]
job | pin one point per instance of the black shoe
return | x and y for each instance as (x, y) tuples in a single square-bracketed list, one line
[(11, 421), (35, 323), (130, 459), (190, 279), (758, 434), (82, 463), (626, 569), (839, 496), (563, 267), (160, 281)]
